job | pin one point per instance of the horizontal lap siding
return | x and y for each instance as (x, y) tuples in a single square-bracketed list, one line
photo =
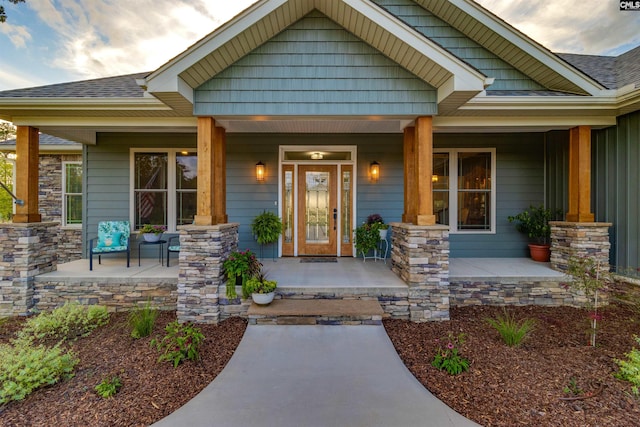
[(520, 183), (315, 67), (432, 27)]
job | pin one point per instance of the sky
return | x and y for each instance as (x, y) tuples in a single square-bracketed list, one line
[(53, 41)]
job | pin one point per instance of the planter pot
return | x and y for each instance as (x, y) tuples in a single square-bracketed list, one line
[(383, 233), (540, 253), (263, 299), (151, 237)]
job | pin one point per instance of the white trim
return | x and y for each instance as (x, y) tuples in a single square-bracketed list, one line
[(282, 149), (453, 188), (63, 192)]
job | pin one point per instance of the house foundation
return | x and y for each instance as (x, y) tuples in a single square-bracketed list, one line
[(203, 249), (420, 257), (27, 249)]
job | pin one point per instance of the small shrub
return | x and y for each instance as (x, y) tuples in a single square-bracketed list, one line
[(573, 388), (512, 331), (181, 343), (70, 321), (109, 387), (142, 321), (630, 368), (449, 358), (25, 367)]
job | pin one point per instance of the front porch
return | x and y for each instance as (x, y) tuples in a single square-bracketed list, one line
[(472, 281)]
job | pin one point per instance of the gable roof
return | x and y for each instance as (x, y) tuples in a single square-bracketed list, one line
[(48, 143)]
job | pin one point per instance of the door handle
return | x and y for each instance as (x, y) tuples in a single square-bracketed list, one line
[(335, 218)]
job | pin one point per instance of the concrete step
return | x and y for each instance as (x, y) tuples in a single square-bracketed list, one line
[(316, 312)]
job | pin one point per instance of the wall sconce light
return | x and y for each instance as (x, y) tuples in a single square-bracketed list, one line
[(259, 171), (434, 178), (374, 170)]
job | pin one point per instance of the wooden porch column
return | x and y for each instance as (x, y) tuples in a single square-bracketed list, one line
[(424, 170), (410, 188), (580, 175), (27, 151), (212, 191)]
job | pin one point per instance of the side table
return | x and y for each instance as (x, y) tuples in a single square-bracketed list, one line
[(160, 244), (380, 252)]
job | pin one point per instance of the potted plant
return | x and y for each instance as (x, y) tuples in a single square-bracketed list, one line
[(377, 221), (239, 267), (367, 238), (152, 233), (534, 222), (262, 291), (266, 227)]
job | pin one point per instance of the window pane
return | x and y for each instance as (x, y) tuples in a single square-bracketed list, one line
[(186, 209), (474, 171), (440, 181), (474, 191), (186, 171), (474, 211), (73, 175), (150, 188), (74, 209)]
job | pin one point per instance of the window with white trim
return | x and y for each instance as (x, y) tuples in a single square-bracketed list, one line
[(464, 189), (164, 185), (71, 194)]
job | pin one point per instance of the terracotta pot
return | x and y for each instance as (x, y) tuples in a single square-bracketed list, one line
[(540, 253)]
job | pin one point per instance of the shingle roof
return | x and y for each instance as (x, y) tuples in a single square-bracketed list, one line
[(44, 139), (613, 72), (108, 87)]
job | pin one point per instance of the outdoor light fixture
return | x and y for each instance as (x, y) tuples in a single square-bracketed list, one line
[(434, 178), (259, 171), (374, 170), (316, 156)]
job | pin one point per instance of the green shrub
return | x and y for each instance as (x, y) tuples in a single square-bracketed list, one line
[(630, 368), (181, 343), (70, 321), (512, 331), (448, 357), (25, 367), (109, 387), (142, 321)]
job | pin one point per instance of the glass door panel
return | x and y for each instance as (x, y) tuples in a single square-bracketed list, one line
[(317, 210)]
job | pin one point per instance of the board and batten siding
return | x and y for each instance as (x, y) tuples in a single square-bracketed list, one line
[(107, 171), (434, 28), (520, 183), (616, 188), (315, 67)]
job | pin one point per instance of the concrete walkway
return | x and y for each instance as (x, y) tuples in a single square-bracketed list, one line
[(298, 376)]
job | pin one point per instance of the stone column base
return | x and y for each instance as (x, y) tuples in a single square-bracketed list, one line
[(579, 239), (420, 257)]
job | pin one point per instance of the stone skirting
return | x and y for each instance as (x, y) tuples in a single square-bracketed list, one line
[(579, 239), (203, 249), (115, 294), (27, 250), (543, 292), (69, 244), (420, 257)]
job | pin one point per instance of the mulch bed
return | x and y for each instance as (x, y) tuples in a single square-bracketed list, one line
[(504, 387), (524, 386)]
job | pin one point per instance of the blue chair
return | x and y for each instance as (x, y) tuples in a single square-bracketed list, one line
[(172, 246), (113, 237)]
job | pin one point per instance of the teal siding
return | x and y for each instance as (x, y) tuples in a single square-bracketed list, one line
[(557, 170), (507, 77), (616, 187), (520, 180), (520, 183), (315, 67)]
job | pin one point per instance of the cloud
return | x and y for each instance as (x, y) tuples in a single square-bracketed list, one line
[(590, 27), (110, 37), (17, 34)]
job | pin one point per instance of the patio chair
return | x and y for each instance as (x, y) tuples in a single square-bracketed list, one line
[(113, 237), (172, 247)]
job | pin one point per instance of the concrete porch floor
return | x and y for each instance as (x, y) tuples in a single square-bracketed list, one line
[(290, 272)]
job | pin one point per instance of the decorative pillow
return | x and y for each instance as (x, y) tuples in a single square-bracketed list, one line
[(109, 240)]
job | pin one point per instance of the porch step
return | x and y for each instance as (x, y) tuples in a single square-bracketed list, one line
[(316, 312)]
